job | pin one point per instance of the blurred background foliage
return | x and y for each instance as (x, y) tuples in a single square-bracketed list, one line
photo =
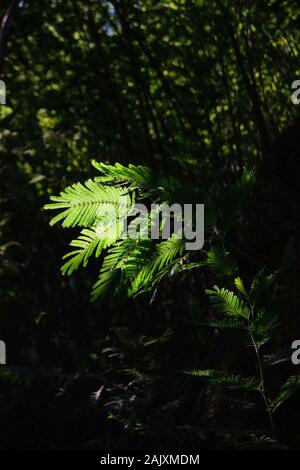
[(199, 89)]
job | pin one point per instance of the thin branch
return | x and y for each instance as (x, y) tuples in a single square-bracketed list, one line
[(5, 24)]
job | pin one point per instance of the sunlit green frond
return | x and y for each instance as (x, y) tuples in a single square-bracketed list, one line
[(111, 266), (137, 176), (86, 244), (136, 259), (91, 241), (83, 205), (162, 189), (239, 284), (228, 303), (164, 257), (125, 258)]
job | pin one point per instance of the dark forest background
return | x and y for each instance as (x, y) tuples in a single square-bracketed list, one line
[(199, 89)]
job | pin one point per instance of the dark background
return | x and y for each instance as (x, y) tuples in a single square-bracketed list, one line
[(199, 89)]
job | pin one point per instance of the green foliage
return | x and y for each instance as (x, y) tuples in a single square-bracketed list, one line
[(123, 81), (240, 286), (220, 263), (148, 185), (220, 379), (87, 243), (287, 390), (260, 325), (102, 206), (125, 258), (137, 177), (227, 302), (225, 323), (84, 205), (166, 255), (261, 283)]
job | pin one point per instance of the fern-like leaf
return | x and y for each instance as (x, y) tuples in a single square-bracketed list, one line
[(160, 189), (287, 390), (261, 283), (220, 263), (84, 205), (123, 258), (225, 323), (89, 242), (262, 326), (240, 286), (135, 176), (228, 303), (219, 378), (166, 254)]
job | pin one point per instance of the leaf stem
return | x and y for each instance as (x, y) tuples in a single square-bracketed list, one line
[(261, 375)]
